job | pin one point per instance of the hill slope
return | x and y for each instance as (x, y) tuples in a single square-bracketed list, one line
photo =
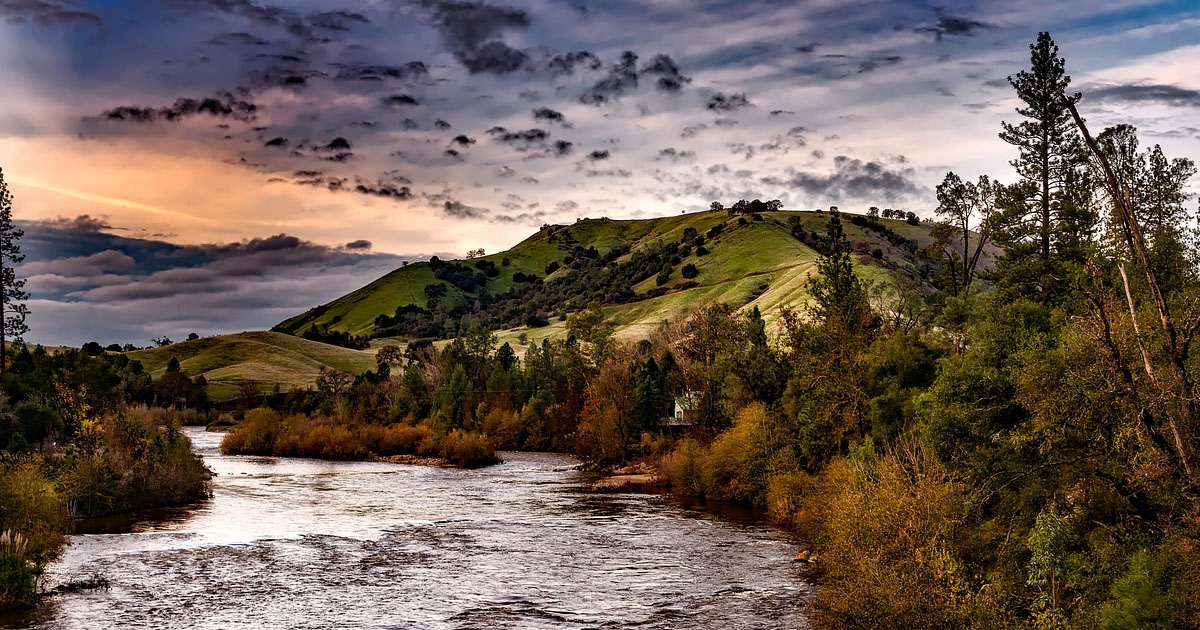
[(750, 261), (268, 358)]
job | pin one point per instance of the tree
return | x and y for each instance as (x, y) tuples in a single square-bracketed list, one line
[(1044, 223), (389, 355), (12, 289), (960, 202), (716, 206), (161, 341), (837, 294)]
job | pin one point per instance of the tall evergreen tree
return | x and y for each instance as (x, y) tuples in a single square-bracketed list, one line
[(837, 294), (1049, 212), (12, 289)]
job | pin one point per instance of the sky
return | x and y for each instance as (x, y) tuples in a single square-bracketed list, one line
[(219, 165)]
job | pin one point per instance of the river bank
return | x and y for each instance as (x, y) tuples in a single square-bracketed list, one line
[(307, 543)]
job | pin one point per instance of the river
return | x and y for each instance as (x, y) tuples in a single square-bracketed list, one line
[(299, 543)]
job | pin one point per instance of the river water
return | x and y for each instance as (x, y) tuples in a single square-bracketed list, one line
[(298, 543)]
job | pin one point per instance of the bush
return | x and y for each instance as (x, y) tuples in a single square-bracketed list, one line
[(736, 466), (690, 271), (684, 467), (33, 518), (891, 530), (127, 461), (663, 277), (467, 449)]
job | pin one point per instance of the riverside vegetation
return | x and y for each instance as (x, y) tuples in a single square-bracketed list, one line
[(82, 433)]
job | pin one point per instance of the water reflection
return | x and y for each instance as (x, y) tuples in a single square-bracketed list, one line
[(314, 544)]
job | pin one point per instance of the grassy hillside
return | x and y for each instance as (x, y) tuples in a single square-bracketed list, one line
[(751, 262), (268, 358)]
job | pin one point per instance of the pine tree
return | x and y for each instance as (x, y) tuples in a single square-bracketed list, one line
[(1049, 214), (12, 289), (837, 294)]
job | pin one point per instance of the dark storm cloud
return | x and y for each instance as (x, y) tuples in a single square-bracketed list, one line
[(598, 154), (622, 77), (463, 140), (398, 100), (285, 19), (948, 25), (721, 102), (278, 142), (520, 139), (47, 12), (1134, 93), (90, 282), (852, 178), (494, 58), (472, 30), (353, 72), (339, 20), (567, 63), (222, 105), (670, 79), (237, 39), (460, 210), (361, 243), (545, 114)]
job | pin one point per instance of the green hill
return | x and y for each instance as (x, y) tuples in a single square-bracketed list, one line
[(268, 358), (751, 261)]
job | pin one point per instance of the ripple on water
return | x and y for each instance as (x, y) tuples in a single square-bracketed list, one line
[(314, 544)]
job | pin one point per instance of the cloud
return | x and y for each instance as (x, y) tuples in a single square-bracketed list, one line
[(359, 244), (568, 63), (285, 19), (852, 178), (339, 20), (109, 260), (676, 156), (409, 71), (398, 100), (948, 25), (622, 77), (598, 154), (471, 31), (670, 79), (1133, 93), (721, 102), (222, 105), (47, 13), (545, 114), (459, 210)]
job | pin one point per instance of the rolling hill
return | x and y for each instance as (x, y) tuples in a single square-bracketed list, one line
[(749, 262), (268, 358)]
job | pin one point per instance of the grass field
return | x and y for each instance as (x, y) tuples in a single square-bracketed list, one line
[(267, 358), (740, 260)]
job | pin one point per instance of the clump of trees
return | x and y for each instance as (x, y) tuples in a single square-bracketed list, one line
[(1017, 450)]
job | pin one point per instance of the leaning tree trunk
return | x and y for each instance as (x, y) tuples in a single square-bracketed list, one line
[(1137, 243)]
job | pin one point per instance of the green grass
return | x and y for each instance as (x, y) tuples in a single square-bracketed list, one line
[(267, 358), (739, 262)]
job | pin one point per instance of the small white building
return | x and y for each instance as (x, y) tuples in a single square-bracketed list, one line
[(685, 411)]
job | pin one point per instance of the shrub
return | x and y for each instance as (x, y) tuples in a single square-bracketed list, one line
[(684, 467), (467, 449), (32, 522), (690, 271), (663, 277), (891, 533), (736, 466)]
